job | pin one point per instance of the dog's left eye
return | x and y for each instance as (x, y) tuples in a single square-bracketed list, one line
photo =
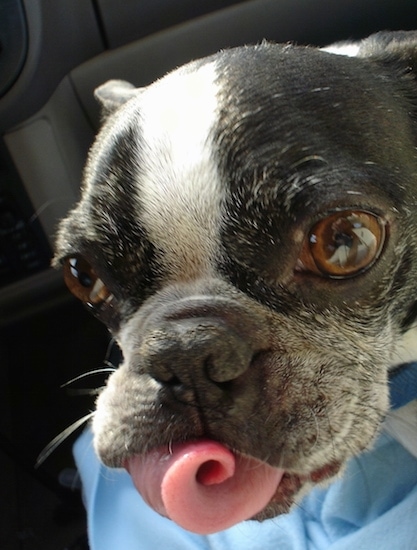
[(84, 283), (343, 244)]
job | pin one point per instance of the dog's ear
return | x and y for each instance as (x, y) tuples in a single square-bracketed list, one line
[(396, 51), (396, 47), (112, 94), (393, 48)]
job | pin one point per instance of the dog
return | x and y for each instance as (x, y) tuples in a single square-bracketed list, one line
[(248, 233)]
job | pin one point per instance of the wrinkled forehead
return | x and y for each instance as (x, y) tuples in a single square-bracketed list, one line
[(245, 112), (242, 113)]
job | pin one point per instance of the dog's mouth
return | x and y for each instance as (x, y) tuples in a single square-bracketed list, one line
[(206, 488)]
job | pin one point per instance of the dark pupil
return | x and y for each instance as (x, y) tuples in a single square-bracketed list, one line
[(85, 279)]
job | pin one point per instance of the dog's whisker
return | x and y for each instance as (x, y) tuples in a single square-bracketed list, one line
[(85, 391), (61, 437), (46, 205), (103, 370)]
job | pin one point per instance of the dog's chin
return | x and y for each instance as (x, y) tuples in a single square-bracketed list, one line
[(205, 487), (294, 486)]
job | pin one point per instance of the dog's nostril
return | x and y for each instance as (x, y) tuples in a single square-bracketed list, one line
[(174, 381), (218, 371), (228, 361), (177, 388), (163, 376), (167, 379)]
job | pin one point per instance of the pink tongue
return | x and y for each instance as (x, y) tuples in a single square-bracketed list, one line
[(202, 486)]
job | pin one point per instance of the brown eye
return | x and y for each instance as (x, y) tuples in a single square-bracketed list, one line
[(84, 283), (343, 244)]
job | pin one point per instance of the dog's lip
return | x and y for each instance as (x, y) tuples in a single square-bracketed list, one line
[(205, 487), (325, 472), (291, 483), (202, 485)]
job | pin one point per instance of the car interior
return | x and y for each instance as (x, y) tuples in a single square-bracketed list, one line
[(53, 54)]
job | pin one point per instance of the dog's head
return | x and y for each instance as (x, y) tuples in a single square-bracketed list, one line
[(248, 232)]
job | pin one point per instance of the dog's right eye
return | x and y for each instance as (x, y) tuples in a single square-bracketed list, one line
[(83, 282)]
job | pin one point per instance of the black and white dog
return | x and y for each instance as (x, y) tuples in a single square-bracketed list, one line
[(248, 233)]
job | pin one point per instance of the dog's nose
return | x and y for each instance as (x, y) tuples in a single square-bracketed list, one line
[(188, 351)]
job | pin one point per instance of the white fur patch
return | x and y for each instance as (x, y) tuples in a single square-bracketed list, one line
[(347, 49), (180, 188), (407, 348)]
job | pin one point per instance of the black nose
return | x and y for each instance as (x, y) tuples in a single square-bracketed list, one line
[(190, 351)]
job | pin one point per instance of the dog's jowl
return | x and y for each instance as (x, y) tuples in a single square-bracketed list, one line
[(248, 232)]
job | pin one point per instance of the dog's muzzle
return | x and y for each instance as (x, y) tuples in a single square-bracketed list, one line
[(201, 352)]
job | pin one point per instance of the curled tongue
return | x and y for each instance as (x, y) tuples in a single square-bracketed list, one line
[(202, 486)]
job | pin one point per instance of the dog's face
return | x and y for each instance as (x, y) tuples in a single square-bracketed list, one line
[(248, 232)]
